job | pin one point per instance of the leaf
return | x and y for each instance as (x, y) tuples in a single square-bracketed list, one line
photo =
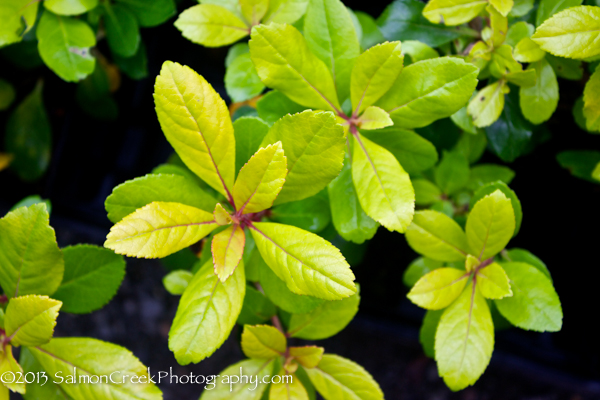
[(374, 118), (88, 357), (311, 214), (383, 187), (464, 340), (429, 90), (10, 368), (39, 390), (349, 219), (132, 195), (257, 308), (12, 29), (70, 7), (565, 67), (277, 291), (254, 10), (452, 173), (31, 261), (7, 94), (241, 79), (224, 390), (227, 250), (571, 33), (503, 7), (31, 200), (371, 33), (547, 8), (284, 62), (325, 321), (323, 273), (490, 225), (274, 105), (122, 30), (159, 229), (338, 378), (503, 62), (64, 44), (498, 21), (249, 133), (330, 35), (206, 314), (499, 185), (539, 102), (29, 137), (471, 146), (91, 279), (211, 25), (285, 11), (417, 51), (196, 122), (260, 180), (484, 174), (527, 51), (307, 356), (534, 304), (516, 254), (438, 288), (426, 192), (453, 12), (177, 281), (30, 320), (579, 163), (313, 143), (136, 66), (403, 20), (493, 282), (428, 330), (596, 172), (487, 105), (591, 102), (437, 236), (518, 31), (222, 216), (413, 152), (263, 342), (523, 79), (152, 13), (289, 387)]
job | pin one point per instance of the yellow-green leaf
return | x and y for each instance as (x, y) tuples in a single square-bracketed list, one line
[(453, 12), (527, 51), (498, 22), (503, 6), (254, 10), (289, 388), (196, 122), (263, 342), (30, 320), (159, 229), (9, 367), (307, 356), (493, 282), (221, 215), (211, 25), (522, 79), (591, 102), (437, 236), (227, 250), (374, 118), (539, 101), (439, 288), (487, 105)]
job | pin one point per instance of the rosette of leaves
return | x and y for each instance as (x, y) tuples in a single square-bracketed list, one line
[(462, 281), (323, 68), (160, 214), (39, 280)]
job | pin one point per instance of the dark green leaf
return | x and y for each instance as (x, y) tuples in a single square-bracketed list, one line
[(311, 214), (274, 105), (249, 133), (31, 200), (150, 12), (257, 308), (579, 163), (122, 30), (136, 66)]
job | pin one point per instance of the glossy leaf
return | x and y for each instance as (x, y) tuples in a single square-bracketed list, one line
[(452, 173), (438, 288), (30, 320), (122, 30), (70, 7), (451, 12), (437, 236), (211, 25), (151, 13), (177, 281), (539, 102), (493, 282), (241, 79), (263, 342), (159, 229), (92, 277), (224, 390), (196, 122), (227, 249), (206, 314), (31, 261), (591, 102)]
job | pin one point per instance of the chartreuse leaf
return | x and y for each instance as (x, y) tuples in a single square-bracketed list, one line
[(249, 133), (323, 273), (374, 73), (211, 25), (196, 122), (151, 13), (39, 390), (313, 143), (439, 288), (499, 185), (452, 173), (502, 6), (383, 187), (64, 45), (517, 32), (92, 277), (206, 314), (29, 137), (263, 342), (330, 35), (498, 21), (490, 225), (417, 51), (274, 105), (464, 340), (493, 282), (134, 194), (122, 30), (339, 378), (177, 281), (487, 105), (241, 80), (534, 304), (524, 79), (539, 102), (11, 30), (159, 229), (437, 236), (31, 261), (547, 8), (31, 200), (453, 12), (527, 51), (70, 7), (349, 219), (596, 172), (285, 11), (244, 390), (92, 357), (591, 102), (227, 250), (254, 10), (374, 118), (310, 214), (307, 356), (260, 180), (284, 62), (426, 192), (30, 320), (571, 33), (429, 90), (290, 387), (526, 257), (324, 321), (418, 268), (9, 365), (222, 217)]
